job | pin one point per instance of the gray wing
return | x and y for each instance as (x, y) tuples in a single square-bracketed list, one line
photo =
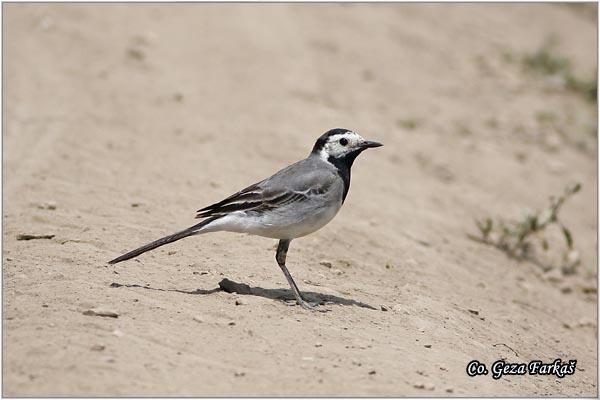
[(297, 183)]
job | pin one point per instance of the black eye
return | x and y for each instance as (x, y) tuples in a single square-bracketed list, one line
[(343, 141)]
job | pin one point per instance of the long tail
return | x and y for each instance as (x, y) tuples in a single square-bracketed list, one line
[(161, 242)]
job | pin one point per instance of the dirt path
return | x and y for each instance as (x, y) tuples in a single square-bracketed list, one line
[(121, 120)]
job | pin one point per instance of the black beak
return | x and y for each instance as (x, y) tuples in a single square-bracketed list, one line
[(367, 144)]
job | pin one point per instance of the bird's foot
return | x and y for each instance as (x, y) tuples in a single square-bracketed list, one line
[(312, 306)]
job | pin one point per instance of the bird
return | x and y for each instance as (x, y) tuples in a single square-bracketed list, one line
[(294, 202)]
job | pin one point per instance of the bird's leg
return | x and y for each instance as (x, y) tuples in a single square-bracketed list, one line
[(280, 256)]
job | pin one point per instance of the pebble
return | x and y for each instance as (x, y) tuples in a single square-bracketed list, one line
[(589, 289), (100, 312), (240, 302), (372, 372), (397, 308), (427, 346), (384, 308), (426, 386), (49, 205), (118, 333), (136, 54), (585, 322), (25, 236), (198, 319), (326, 264), (318, 344), (476, 312), (566, 289)]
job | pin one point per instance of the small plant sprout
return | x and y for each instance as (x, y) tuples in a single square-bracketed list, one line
[(518, 239)]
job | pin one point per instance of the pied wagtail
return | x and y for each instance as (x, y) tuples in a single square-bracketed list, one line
[(296, 201)]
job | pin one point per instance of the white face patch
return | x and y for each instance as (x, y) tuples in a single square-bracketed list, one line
[(335, 146)]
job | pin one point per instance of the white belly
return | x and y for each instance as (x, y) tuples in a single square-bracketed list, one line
[(277, 224)]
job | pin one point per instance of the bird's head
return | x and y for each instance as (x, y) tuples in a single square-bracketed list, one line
[(341, 145)]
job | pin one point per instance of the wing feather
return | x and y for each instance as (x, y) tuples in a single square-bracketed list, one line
[(283, 188)]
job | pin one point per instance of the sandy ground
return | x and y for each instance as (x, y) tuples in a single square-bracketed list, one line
[(121, 120)]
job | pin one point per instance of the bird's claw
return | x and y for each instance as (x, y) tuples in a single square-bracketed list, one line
[(311, 306)]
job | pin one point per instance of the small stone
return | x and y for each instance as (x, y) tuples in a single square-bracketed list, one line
[(49, 205), (473, 312), (135, 205), (337, 272), (198, 319), (25, 236), (384, 308), (136, 54), (8, 259), (426, 386), (372, 372), (397, 308), (449, 390), (239, 374), (170, 253), (100, 312), (326, 264), (231, 323), (589, 289), (118, 333), (45, 305), (428, 346), (98, 347), (318, 344), (586, 323), (240, 302)]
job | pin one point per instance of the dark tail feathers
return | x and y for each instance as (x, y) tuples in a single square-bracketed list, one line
[(161, 242)]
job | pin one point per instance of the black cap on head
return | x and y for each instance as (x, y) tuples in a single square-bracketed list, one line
[(323, 139)]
